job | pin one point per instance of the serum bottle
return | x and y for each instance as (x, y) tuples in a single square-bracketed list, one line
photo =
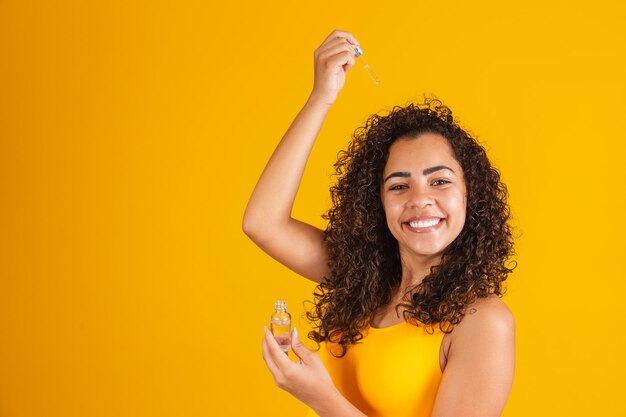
[(280, 325)]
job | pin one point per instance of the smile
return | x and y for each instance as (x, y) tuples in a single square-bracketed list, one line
[(426, 225)]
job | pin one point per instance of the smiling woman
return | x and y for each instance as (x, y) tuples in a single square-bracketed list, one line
[(413, 164), (423, 197), (410, 267)]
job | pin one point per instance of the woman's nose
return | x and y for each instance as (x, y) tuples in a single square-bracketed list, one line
[(420, 198)]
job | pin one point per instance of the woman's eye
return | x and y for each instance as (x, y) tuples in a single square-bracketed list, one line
[(397, 187), (441, 182)]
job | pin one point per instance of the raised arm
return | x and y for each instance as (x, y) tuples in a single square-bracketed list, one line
[(267, 219)]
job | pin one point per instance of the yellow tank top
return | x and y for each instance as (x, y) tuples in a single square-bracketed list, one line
[(393, 372)]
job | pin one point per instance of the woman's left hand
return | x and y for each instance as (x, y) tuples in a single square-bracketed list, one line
[(307, 380)]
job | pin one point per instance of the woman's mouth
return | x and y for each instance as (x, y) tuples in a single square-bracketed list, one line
[(424, 225)]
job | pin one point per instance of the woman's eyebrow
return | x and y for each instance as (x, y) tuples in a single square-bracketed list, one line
[(427, 171), (437, 168), (402, 174)]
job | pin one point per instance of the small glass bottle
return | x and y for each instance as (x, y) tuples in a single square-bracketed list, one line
[(280, 324)]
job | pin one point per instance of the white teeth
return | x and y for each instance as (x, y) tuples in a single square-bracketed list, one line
[(425, 223)]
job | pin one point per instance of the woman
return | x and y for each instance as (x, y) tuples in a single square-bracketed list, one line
[(410, 267)]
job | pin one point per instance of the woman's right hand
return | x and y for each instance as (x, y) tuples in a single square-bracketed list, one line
[(334, 57)]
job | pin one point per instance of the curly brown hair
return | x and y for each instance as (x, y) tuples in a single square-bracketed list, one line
[(364, 260)]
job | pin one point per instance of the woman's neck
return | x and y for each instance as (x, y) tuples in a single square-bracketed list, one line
[(415, 268)]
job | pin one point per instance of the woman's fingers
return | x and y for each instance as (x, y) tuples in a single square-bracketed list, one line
[(308, 381), (267, 357), (299, 349), (345, 60), (274, 353), (333, 58), (335, 50), (338, 50), (334, 47), (340, 34)]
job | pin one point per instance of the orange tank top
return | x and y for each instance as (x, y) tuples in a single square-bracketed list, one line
[(393, 372)]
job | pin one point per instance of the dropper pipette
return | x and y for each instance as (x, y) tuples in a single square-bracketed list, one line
[(358, 52)]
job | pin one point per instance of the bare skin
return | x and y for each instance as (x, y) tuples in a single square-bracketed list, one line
[(477, 358)]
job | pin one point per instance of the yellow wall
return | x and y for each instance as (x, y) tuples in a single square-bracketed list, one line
[(132, 136)]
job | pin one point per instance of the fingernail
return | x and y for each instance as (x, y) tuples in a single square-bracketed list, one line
[(295, 332), (265, 330)]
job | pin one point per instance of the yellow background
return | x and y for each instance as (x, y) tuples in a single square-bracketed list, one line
[(132, 134)]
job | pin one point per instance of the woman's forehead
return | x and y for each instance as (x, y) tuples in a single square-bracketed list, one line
[(425, 149)]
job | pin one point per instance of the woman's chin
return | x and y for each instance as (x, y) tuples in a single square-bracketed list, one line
[(423, 252)]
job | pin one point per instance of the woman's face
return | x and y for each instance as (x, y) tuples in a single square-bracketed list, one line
[(423, 195)]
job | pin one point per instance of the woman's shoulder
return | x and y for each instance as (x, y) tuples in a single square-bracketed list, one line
[(487, 316), (490, 306), (487, 328)]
